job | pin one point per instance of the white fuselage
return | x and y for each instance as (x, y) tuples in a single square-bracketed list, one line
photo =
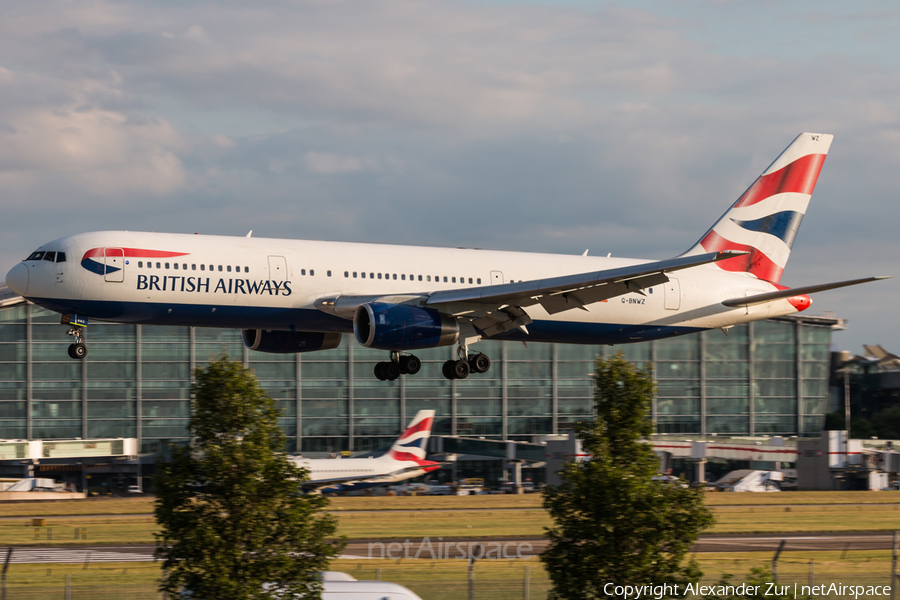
[(240, 282), (365, 472)]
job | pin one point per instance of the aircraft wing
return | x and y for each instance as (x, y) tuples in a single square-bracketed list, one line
[(789, 293), (570, 291), (494, 309)]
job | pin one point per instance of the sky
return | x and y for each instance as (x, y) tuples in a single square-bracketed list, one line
[(540, 126)]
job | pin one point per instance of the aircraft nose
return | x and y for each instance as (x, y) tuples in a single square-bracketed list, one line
[(17, 279)]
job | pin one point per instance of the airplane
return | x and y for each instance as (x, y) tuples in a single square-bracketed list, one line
[(404, 460), (289, 296)]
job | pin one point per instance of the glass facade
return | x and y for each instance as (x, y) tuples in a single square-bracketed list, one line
[(768, 377)]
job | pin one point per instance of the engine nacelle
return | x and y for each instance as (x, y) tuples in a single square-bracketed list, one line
[(289, 342), (402, 327)]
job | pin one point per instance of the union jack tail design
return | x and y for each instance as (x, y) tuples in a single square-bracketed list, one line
[(412, 444), (765, 219)]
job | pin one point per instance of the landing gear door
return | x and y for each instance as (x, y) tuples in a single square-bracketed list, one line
[(496, 277), (673, 294), (115, 264), (277, 268)]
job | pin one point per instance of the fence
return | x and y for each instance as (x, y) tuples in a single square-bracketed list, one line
[(450, 579)]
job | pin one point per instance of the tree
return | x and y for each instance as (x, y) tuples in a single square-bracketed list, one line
[(611, 522), (233, 522)]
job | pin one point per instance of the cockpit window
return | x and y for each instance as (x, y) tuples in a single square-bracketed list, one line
[(36, 256), (51, 256), (60, 257)]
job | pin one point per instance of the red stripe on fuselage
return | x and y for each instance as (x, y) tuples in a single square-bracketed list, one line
[(134, 253), (798, 177)]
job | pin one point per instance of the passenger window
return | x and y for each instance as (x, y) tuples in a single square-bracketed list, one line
[(371, 275), (51, 256), (140, 264), (212, 267), (220, 268), (193, 267), (470, 280), (312, 272), (346, 273), (364, 275), (328, 273), (60, 257), (303, 271), (202, 267), (454, 279), (36, 256), (246, 269), (479, 281), (379, 276), (420, 278), (354, 274), (445, 279), (167, 265), (403, 277), (395, 276), (429, 278), (176, 266), (158, 266), (184, 266), (228, 268)]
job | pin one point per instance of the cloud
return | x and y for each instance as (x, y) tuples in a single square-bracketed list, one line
[(544, 128)]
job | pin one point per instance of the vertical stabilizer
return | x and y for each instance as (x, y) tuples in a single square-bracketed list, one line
[(765, 219), (412, 443)]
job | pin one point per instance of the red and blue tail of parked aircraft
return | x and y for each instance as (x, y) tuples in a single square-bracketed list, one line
[(412, 444)]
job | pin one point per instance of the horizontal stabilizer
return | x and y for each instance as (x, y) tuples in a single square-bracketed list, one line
[(771, 296)]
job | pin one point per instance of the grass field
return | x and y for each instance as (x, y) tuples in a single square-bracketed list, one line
[(143, 505), (444, 579), (124, 529)]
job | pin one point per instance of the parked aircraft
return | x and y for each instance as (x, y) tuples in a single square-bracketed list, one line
[(300, 296), (405, 460)]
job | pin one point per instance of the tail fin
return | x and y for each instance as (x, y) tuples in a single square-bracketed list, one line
[(412, 443), (765, 219)]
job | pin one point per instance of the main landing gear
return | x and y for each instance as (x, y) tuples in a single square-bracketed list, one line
[(398, 365), (78, 350), (460, 369)]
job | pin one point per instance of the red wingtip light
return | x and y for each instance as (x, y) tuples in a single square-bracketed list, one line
[(801, 302)]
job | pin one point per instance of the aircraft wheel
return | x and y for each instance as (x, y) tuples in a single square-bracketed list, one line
[(480, 363), (447, 369), (410, 365), (79, 351), (390, 370), (71, 351), (460, 369), (379, 371)]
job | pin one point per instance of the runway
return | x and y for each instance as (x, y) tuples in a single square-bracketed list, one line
[(436, 548)]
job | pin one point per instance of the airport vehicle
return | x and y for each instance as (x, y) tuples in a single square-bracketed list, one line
[(405, 460), (300, 296)]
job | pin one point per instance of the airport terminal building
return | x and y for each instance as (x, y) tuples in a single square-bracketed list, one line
[(765, 378)]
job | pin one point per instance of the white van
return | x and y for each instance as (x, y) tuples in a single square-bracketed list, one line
[(341, 586)]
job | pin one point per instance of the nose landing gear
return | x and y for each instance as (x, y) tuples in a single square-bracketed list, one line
[(78, 350)]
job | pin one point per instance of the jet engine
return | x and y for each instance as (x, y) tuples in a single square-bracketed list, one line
[(288, 342), (403, 327)]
